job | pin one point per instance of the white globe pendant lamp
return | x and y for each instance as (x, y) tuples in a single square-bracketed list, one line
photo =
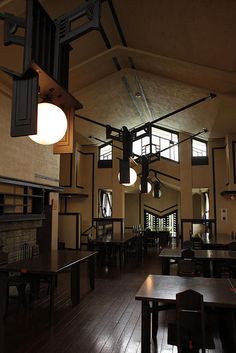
[(149, 187), (133, 177), (51, 124)]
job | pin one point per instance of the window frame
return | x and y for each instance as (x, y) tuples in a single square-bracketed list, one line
[(199, 160), (105, 163)]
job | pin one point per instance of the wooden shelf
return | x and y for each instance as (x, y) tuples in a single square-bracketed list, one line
[(21, 217), (19, 195), (13, 205), (68, 195)]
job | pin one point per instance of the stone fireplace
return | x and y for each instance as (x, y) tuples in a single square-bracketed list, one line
[(16, 233)]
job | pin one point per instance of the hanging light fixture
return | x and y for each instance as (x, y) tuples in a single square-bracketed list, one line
[(133, 177), (51, 124), (149, 187), (157, 189)]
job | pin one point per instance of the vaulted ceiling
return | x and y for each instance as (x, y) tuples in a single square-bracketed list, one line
[(172, 53)]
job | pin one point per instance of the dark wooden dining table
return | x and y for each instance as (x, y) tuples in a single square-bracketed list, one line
[(50, 264), (118, 243), (158, 289), (205, 255)]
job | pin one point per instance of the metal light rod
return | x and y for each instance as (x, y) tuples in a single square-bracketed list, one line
[(108, 143), (90, 120), (212, 95)]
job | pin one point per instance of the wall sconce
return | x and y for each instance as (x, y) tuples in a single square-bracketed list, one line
[(47, 48), (51, 124)]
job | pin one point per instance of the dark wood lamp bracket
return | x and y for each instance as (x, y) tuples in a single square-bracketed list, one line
[(46, 64)]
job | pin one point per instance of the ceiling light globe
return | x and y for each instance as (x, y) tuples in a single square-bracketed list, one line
[(51, 124), (149, 187), (133, 177)]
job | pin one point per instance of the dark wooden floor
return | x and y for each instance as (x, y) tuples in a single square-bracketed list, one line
[(106, 321)]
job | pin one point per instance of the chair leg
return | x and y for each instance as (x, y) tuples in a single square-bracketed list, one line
[(22, 295)]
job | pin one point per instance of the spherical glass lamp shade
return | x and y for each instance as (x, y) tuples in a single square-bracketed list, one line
[(133, 177), (51, 125), (149, 187)]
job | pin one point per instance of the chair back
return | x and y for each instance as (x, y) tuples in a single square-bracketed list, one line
[(163, 238), (190, 320), (187, 254), (187, 244), (25, 251), (197, 243), (232, 246), (186, 268)]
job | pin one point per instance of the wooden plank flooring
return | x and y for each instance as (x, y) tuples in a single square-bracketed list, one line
[(106, 321)]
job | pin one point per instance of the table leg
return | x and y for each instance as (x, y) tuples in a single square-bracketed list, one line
[(3, 295), (92, 272), (227, 327), (165, 266), (155, 313), (145, 327), (120, 257), (75, 284), (52, 297), (139, 243)]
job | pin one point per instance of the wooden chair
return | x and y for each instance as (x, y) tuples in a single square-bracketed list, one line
[(186, 268), (188, 332), (163, 239), (18, 280), (197, 243), (187, 254), (149, 239), (187, 244), (228, 268)]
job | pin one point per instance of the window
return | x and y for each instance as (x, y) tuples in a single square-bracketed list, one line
[(199, 148), (105, 203), (105, 152), (159, 140), (167, 222), (141, 147), (199, 152), (105, 156)]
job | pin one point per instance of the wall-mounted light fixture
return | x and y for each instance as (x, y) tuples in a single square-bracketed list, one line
[(51, 124), (47, 48)]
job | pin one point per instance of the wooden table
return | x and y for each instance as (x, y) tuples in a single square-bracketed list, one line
[(50, 264), (206, 255), (106, 244), (217, 292)]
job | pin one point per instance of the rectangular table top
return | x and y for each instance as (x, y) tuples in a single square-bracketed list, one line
[(49, 263), (219, 292), (114, 241), (200, 254)]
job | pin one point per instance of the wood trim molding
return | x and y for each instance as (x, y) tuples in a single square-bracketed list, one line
[(70, 176), (161, 211)]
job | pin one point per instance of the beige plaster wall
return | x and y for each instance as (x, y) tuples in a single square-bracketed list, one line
[(131, 209)]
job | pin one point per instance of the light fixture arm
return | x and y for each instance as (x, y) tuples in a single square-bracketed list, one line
[(116, 134), (211, 96), (11, 25)]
